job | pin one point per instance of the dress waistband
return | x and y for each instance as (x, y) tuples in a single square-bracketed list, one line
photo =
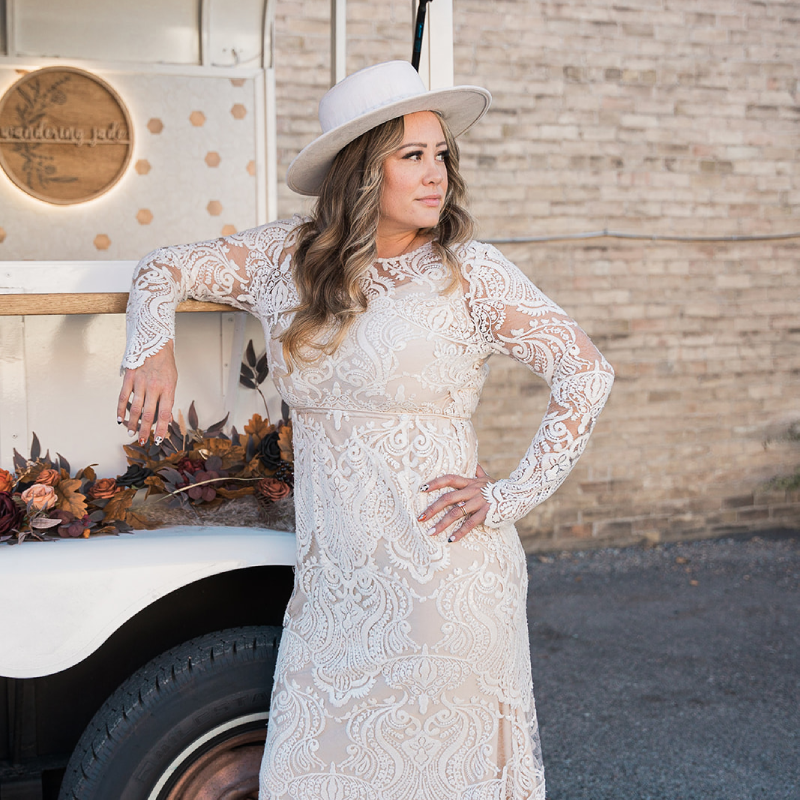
[(339, 413)]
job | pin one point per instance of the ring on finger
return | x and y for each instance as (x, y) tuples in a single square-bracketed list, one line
[(464, 512)]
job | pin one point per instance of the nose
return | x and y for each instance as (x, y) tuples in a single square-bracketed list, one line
[(435, 173)]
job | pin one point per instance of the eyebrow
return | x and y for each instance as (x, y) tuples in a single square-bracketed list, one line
[(420, 144)]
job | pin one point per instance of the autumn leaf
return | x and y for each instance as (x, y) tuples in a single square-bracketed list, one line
[(254, 468), (258, 428), (44, 522), (135, 521), (285, 443), (223, 448), (69, 497), (118, 505), (135, 454), (192, 417), (155, 485), (88, 473), (31, 473), (250, 354)]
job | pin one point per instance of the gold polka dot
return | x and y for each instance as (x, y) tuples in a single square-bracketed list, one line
[(212, 159), (102, 242), (144, 216), (197, 118), (214, 208), (142, 166), (251, 168), (238, 111), (228, 230), (2, 235), (155, 125), (237, 81)]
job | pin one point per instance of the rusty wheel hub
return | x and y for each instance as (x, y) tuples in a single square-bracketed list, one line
[(227, 771)]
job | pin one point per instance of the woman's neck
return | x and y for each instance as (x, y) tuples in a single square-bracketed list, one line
[(392, 246)]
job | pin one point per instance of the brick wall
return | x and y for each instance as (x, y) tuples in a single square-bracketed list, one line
[(675, 117)]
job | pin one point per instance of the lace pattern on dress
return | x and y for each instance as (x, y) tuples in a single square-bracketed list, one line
[(516, 319), (239, 270)]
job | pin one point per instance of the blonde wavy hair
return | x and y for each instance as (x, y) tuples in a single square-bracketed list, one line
[(337, 245)]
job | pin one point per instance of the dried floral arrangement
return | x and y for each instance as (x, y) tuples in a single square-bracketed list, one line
[(193, 470)]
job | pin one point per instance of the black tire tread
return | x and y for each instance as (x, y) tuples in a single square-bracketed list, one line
[(138, 696)]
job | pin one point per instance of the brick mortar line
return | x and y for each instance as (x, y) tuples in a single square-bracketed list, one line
[(655, 237)]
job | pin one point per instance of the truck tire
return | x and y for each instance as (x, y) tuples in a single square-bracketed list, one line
[(190, 724)]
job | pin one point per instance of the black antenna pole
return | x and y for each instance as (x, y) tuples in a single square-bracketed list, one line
[(419, 27)]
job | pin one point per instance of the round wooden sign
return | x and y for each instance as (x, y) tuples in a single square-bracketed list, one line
[(65, 135)]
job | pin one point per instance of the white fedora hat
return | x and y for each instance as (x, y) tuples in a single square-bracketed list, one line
[(370, 97)]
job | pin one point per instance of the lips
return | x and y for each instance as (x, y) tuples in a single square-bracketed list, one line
[(432, 200)]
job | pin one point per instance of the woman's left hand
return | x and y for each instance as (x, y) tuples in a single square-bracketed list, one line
[(467, 501)]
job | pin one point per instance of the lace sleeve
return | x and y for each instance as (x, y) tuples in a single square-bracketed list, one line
[(516, 319), (236, 270)]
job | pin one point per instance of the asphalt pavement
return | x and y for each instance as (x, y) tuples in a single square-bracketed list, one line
[(669, 673)]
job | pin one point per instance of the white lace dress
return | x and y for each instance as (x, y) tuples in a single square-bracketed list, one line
[(404, 669)]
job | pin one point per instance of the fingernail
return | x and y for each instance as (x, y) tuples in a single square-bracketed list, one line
[(424, 487), (421, 517), (431, 531), (452, 538), (131, 433), (159, 439), (142, 441), (119, 420)]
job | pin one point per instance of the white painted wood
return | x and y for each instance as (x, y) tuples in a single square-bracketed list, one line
[(440, 44), (67, 277), (232, 350), (13, 387), (262, 151), (139, 67), (205, 36), (436, 58), (11, 38), (270, 140), (268, 35), (271, 144), (157, 31), (338, 40), (235, 32), (70, 596)]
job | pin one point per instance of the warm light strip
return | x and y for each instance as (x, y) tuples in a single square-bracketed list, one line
[(16, 305)]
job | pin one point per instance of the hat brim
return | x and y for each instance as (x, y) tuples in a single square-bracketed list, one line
[(461, 107)]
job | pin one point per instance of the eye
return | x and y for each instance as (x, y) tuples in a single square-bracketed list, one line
[(443, 155), (414, 155)]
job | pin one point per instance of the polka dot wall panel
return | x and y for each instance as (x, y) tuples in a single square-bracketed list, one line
[(192, 174)]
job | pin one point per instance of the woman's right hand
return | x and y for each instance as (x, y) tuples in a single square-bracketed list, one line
[(153, 388)]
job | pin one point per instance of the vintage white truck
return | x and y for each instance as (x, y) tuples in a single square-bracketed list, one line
[(139, 666)]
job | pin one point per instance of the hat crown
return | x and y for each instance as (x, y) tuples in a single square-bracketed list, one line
[(367, 90)]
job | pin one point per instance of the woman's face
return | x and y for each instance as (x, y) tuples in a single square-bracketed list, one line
[(414, 178)]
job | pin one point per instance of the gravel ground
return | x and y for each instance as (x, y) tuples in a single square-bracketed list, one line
[(669, 673)]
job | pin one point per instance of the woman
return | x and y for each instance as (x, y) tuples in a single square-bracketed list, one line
[(404, 665)]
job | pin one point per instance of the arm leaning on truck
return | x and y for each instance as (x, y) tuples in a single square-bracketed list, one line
[(234, 269)]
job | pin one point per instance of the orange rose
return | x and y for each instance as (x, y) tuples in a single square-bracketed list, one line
[(48, 477), (103, 489), (273, 489), (6, 481), (39, 497)]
